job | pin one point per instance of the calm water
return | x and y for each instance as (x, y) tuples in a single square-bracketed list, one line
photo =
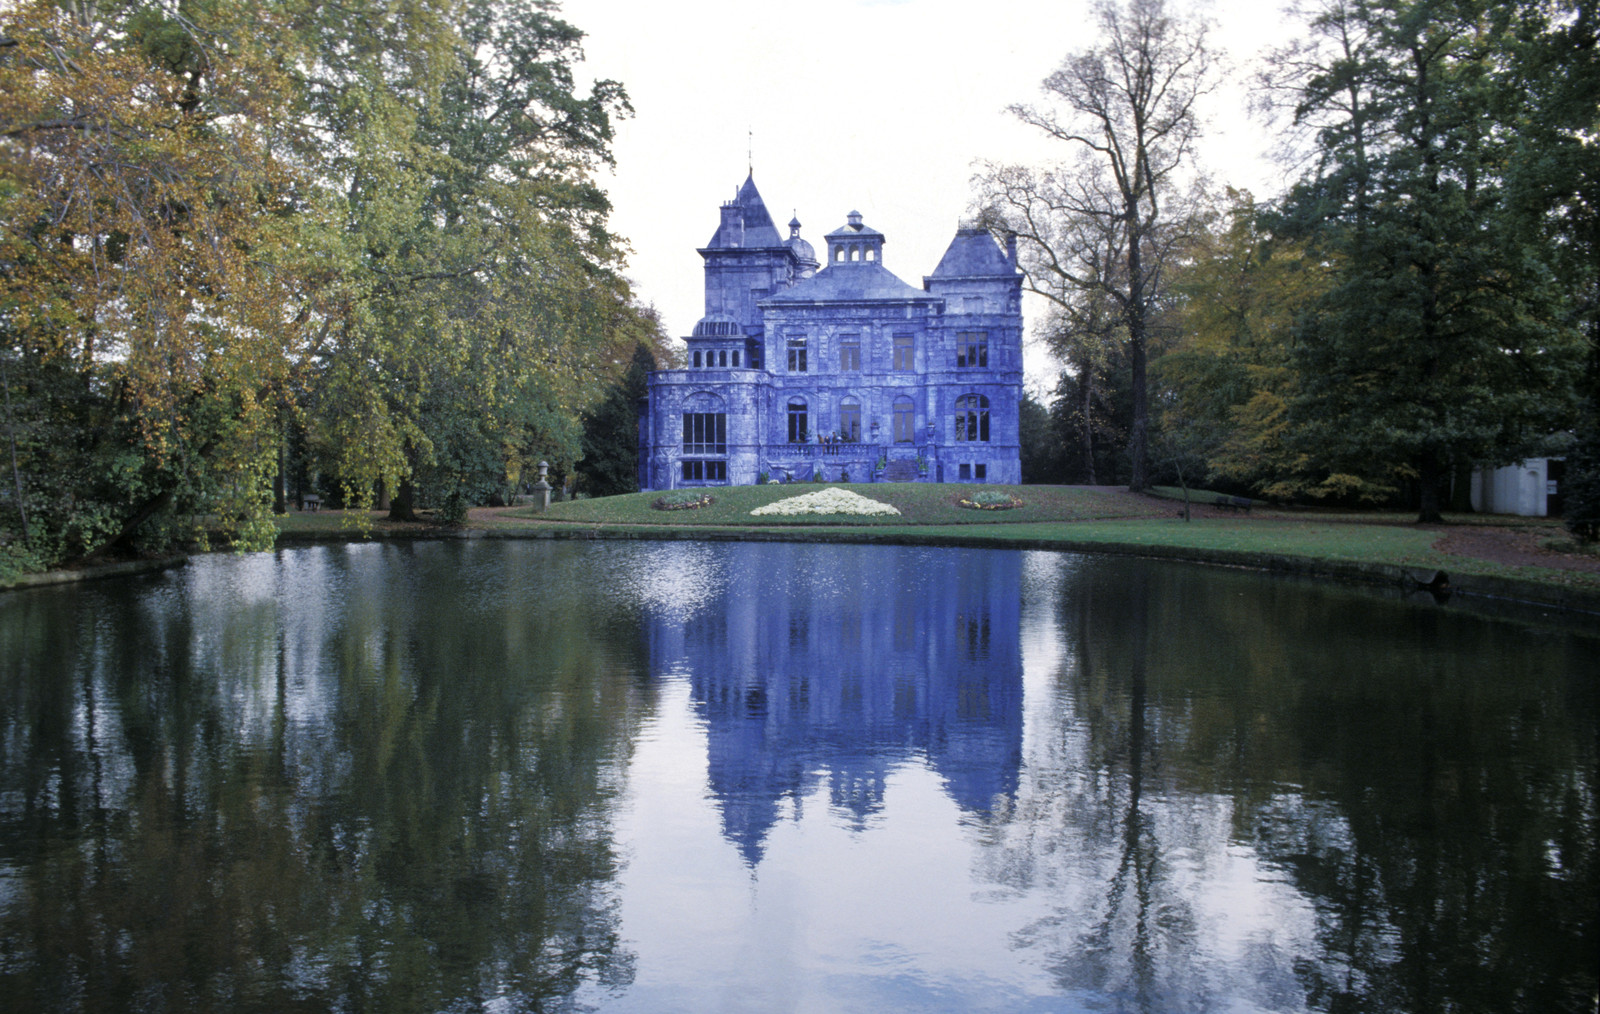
[(741, 777)]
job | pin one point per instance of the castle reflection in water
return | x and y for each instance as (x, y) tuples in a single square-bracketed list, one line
[(888, 659)]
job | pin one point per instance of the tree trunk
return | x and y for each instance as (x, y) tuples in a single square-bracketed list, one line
[(16, 470), (1429, 474), (1138, 431), (1461, 489), (1135, 311), (1086, 409), (404, 497), (280, 481)]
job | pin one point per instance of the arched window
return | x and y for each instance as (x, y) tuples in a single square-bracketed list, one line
[(850, 421), (798, 421), (904, 418), (972, 418)]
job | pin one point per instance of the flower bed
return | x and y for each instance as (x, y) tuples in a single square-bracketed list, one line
[(682, 500), (990, 500), (832, 500)]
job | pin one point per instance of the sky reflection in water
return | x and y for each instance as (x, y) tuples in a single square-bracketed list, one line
[(674, 776)]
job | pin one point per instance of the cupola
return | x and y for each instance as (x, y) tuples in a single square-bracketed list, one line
[(854, 243)]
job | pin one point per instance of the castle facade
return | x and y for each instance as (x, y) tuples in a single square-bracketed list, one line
[(837, 368)]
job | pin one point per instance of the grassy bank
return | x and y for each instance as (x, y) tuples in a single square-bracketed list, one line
[(918, 504), (1366, 546)]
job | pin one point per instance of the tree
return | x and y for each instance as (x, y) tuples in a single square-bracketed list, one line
[(1441, 340), (1228, 379), (140, 315), (610, 462), (466, 325), (1041, 450), (1105, 222), (1551, 91)]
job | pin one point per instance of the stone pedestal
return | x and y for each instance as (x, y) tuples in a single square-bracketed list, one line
[(541, 489)]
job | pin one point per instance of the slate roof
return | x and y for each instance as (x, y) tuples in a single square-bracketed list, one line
[(758, 229), (854, 281), (973, 253), (854, 228)]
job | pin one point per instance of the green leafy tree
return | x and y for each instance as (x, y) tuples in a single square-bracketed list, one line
[(1551, 91), (1442, 339), (610, 462), (1042, 460), (140, 308), (465, 319), (1228, 379)]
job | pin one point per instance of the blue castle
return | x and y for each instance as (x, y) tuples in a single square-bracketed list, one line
[(801, 369)]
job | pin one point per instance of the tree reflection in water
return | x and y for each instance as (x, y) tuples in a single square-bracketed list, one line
[(323, 780), (1411, 791), (392, 778)]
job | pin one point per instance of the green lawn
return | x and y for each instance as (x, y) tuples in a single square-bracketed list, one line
[(1060, 516), (918, 503)]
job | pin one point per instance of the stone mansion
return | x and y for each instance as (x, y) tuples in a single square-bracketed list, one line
[(802, 369)]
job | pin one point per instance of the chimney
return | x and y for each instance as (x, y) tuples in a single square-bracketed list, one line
[(1011, 248), (732, 230)]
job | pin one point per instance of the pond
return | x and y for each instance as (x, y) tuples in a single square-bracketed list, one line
[(518, 776)]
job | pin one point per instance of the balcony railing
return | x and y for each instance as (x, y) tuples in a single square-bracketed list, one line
[(832, 449)]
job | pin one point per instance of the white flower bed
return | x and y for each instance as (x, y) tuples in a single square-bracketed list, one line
[(826, 501)]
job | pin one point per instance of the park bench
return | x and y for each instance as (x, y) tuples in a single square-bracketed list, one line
[(1234, 503)]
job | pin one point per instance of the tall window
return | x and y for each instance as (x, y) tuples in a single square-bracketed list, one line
[(850, 353), (797, 355), (904, 347), (972, 348), (705, 433), (798, 421), (904, 420), (972, 418), (850, 420)]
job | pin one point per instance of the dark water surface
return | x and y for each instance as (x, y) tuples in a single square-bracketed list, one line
[(765, 777)]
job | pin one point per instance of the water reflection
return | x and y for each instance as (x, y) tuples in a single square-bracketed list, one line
[(1299, 801), (327, 779), (838, 667), (519, 776)]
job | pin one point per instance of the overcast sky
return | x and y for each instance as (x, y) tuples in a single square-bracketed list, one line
[(880, 106)]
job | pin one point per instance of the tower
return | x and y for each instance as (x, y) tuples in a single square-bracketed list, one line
[(746, 260)]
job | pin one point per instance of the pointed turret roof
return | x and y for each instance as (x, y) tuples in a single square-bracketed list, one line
[(973, 253), (749, 224)]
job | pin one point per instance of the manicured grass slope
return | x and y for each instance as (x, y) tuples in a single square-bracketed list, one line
[(1053, 516), (918, 503)]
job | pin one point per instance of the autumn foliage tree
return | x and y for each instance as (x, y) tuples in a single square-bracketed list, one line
[(374, 228), (141, 325)]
